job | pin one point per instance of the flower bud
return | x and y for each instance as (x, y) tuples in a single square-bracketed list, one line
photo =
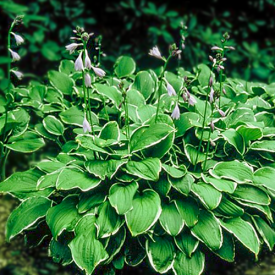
[(221, 112), (170, 90), (99, 72), (18, 74), (88, 63), (15, 56), (87, 80), (78, 65), (85, 36), (176, 112), (216, 48), (224, 91), (211, 81), (86, 125), (18, 39)]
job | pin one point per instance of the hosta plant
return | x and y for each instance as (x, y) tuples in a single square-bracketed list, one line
[(157, 165)]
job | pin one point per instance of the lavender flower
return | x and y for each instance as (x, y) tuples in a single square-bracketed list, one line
[(87, 80), (86, 125), (18, 39), (211, 81), (88, 63), (191, 100), (15, 56), (78, 65), (156, 53), (99, 72), (18, 74), (216, 48), (72, 47), (171, 91), (176, 112)]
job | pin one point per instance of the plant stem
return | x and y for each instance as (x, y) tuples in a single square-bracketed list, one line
[(90, 113), (3, 167), (160, 86), (4, 154), (204, 119), (127, 122)]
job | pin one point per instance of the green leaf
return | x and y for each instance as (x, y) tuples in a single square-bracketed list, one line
[(110, 131), (87, 251), (91, 199), (110, 92), (115, 244), (227, 250), (23, 185), (61, 82), (63, 216), (124, 66), (26, 215), (183, 265), (69, 179), (60, 252), (267, 233), (170, 219), (134, 252), (104, 168), (185, 122), (108, 222), (121, 196), (26, 143), (146, 211), (145, 137), (265, 145), (265, 176), (233, 170), (229, 209), (250, 132), (204, 75), (249, 193), (160, 253), (221, 184), (208, 195), (208, 230), (191, 153), (189, 210), (235, 139), (53, 125), (47, 181), (173, 171), (187, 243), (73, 116), (147, 169), (182, 185), (66, 67), (144, 83), (244, 232)]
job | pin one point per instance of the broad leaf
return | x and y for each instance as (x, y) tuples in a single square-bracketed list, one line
[(146, 211), (26, 214), (121, 196)]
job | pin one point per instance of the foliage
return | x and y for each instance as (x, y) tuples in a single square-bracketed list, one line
[(153, 164)]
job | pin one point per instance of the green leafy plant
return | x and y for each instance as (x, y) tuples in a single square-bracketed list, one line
[(142, 168)]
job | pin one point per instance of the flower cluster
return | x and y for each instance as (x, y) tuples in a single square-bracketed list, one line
[(84, 64), (18, 40)]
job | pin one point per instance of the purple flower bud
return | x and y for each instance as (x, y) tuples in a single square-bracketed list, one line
[(224, 91), (212, 126), (170, 90), (183, 46), (187, 93), (211, 95), (184, 97), (213, 144), (211, 58), (224, 59), (221, 112), (211, 81), (78, 64)]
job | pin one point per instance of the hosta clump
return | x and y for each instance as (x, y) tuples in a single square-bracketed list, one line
[(141, 185)]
